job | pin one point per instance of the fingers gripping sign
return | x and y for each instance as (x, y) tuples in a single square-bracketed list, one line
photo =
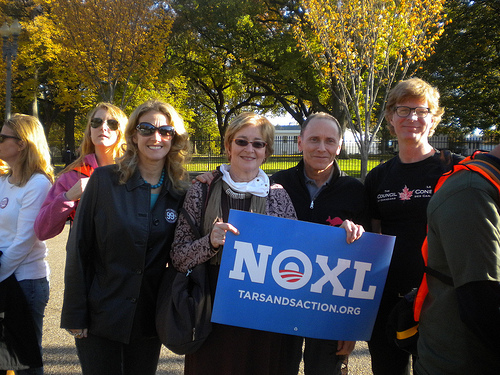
[(353, 231)]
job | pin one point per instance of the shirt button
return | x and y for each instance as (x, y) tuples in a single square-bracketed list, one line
[(156, 222)]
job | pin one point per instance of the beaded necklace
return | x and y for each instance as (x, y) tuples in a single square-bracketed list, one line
[(159, 182)]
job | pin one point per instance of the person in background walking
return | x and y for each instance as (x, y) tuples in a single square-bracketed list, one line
[(102, 143), (28, 178)]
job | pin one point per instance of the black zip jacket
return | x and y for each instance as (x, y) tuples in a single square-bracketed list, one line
[(342, 199)]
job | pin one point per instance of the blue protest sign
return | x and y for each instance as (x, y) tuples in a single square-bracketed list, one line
[(300, 278)]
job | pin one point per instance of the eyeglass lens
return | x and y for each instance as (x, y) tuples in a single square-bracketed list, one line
[(146, 129), (3, 137), (244, 143), (96, 122), (404, 111)]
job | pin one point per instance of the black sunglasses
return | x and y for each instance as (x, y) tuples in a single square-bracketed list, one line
[(146, 129), (3, 137), (112, 123), (255, 144)]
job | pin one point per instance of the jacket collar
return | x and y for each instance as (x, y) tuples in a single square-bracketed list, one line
[(136, 181), (336, 171)]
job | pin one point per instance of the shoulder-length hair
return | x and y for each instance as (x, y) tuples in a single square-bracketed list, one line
[(35, 156), (250, 119), (414, 88), (179, 149), (88, 147)]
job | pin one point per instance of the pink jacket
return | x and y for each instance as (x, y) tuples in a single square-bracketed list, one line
[(56, 208)]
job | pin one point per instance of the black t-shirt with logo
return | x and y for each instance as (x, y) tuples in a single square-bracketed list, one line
[(398, 195)]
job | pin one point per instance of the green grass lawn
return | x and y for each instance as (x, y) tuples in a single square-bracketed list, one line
[(277, 163), (201, 164)]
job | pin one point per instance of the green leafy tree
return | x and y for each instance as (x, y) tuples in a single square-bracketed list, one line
[(466, 66), (206, 36)]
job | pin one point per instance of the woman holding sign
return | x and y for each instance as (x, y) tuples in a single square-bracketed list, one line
[(240, 185)]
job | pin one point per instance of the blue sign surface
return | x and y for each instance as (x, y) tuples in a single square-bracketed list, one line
[(300, 278)]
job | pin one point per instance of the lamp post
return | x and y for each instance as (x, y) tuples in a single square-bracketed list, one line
[(9, 54)]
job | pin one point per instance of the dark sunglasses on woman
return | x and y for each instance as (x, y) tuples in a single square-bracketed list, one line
[(112, 123), (244, 143), (146, 129), (3, 137)]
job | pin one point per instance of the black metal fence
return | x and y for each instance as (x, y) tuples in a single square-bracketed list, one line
[(207, 155)]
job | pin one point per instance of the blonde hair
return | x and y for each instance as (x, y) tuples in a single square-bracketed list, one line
[(179, 149), (250, 119), (88, 147), (35, 156), (414, 88)]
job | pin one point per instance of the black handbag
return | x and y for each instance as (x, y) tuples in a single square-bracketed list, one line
[(401, 325), (184, 309), (184, 305)]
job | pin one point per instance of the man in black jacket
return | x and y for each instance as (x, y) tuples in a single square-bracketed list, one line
[(321, 193)]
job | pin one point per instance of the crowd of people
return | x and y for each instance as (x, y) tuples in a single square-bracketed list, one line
[(133, 210)]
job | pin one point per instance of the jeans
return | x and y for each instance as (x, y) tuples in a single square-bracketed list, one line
[(37, 296), (100, 356)]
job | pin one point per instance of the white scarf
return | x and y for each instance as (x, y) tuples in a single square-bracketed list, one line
[(259, 186)]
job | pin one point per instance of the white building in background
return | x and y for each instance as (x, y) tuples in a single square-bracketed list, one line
[(286, 141), (285, 138)]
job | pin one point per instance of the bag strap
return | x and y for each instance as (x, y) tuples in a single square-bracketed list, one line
[(196, 230), (191, 223), (448, 280)]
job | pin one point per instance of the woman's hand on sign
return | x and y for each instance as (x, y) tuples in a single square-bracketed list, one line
[(218, 234)]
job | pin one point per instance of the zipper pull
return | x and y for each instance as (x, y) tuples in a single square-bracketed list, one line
[(312, 205)]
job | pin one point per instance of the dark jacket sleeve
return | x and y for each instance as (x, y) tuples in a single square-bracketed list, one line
[(78, 269), (479, 307)]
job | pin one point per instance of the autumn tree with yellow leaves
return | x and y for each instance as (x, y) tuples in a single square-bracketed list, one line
[(362, 47), (117, 46)]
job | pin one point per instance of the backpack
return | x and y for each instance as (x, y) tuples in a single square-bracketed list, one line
[(404, 318)]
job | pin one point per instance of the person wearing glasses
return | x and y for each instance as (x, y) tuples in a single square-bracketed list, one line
[(102, 143), (24, 148), (398, 193), (240, 185), (119, 244)]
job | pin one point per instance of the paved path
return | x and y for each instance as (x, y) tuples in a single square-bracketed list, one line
[(59, 349)]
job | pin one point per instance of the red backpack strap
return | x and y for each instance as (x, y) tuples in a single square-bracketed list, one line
[(423, 289)]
